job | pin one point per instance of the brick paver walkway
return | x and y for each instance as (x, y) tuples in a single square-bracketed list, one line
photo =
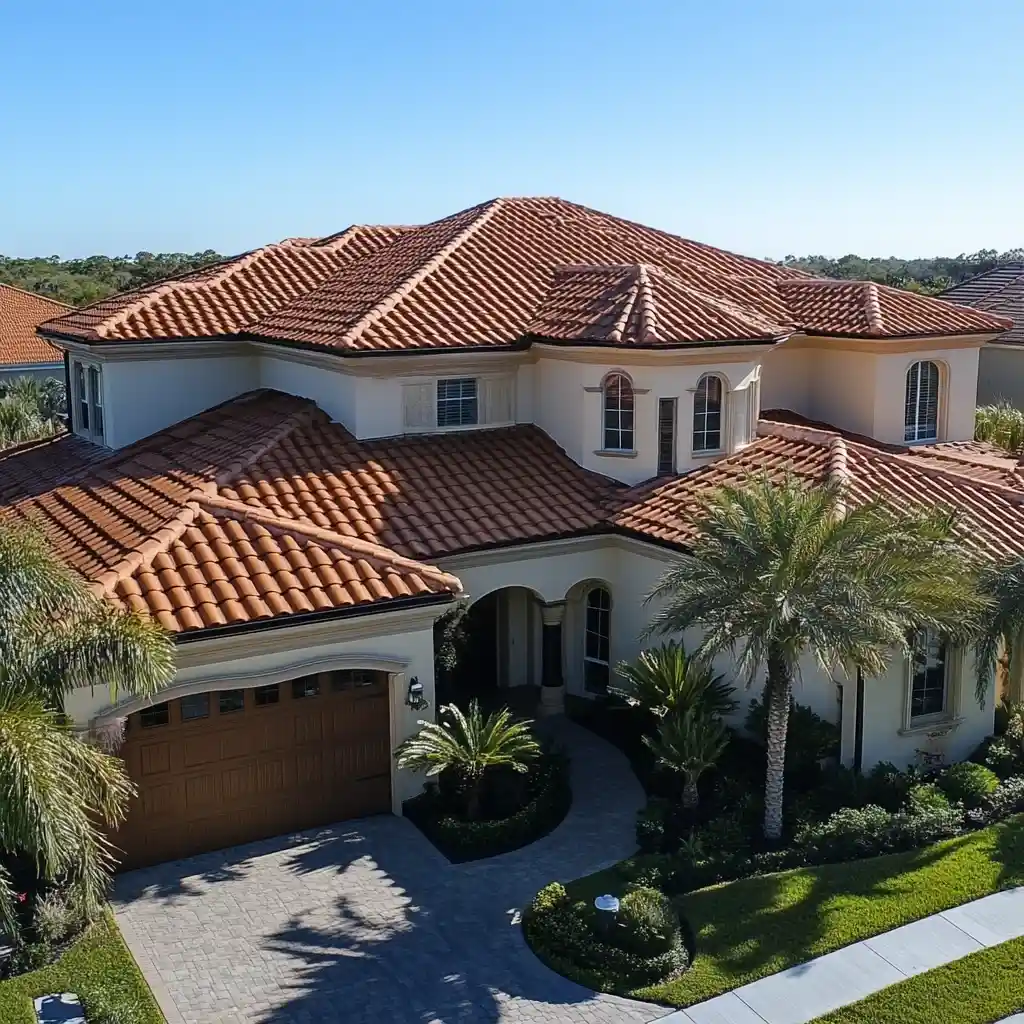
[(366, 922)]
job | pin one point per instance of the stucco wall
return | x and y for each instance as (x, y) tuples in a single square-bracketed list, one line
[(786, 375), (1001, 375), (333, 391), (146, 395), (842, 389)]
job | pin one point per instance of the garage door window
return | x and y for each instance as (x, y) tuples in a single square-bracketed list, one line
[(352, 679), (151, 717), (196, 705), (230, 701), (265, 695), (307, 686)]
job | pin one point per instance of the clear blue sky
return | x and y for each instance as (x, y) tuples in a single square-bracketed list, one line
[(879, 127)]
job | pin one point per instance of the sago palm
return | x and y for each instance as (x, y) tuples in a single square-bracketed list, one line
[(664, 679), (59, 794), (469, 745), (689, 743), (779, 570)]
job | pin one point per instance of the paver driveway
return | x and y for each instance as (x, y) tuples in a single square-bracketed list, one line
[(366, 922)]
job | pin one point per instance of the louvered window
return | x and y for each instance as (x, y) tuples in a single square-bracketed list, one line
[(707, 414), (922, 406), (618, 413), (666, 436)]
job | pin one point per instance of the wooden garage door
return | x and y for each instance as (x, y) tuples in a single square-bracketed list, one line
[(220, 768)]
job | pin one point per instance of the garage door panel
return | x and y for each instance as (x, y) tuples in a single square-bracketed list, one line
[(255, 772)]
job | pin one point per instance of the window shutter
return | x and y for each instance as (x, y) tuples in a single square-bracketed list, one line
[(497, 399), (418, 406), (739, 418)]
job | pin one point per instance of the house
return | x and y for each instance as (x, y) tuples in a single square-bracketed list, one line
[(1001, 364), (22, 352), (298, 459)]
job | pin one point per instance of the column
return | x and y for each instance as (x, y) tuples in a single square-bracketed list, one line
[(552, 693)]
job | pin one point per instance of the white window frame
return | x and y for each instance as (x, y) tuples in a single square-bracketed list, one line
[(723, 389), (87, 407), (605, 614), (921, 429), (952, 672), (624, 411), (468, 397)]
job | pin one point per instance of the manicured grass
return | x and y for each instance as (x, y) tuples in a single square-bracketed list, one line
[(756, 926), (98, 964), (981, 988)]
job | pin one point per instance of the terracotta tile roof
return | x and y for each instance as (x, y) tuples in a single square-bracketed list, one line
[(1001, 291), (36, 466), (991, 513), (20, 313), (491, 275), (224, 297)]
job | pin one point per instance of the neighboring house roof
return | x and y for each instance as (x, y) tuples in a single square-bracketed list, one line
[(500, 274), (21, 313), (1000, 291), (263, 508)]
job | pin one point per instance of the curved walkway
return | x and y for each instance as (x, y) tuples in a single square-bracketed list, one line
[(366, 922)]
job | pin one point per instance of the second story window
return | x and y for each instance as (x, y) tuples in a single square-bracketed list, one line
[(707, 414), (457, 404), (666, 436), (618, 413), (922, 404), (88, 400)]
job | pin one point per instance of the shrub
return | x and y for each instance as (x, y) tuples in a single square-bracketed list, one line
[(849, 833), (648, 924), (58, 915), (1006, 800), (116, 1009), (926, 796), (650, 825), (888, 786), (968, 783), (725, 834), (1001, 755), (27, 956), (550, 898), (809, 738)]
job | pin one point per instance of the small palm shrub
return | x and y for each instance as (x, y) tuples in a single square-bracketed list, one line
[(968, 783), (665, 679), (470, 746), (689, 744)]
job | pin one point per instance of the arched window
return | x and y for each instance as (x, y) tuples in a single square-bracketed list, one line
[(618, 413), (707, 414), (596, 644), (922, 407)]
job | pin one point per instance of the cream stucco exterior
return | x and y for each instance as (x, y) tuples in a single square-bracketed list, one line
[(1001, 374)]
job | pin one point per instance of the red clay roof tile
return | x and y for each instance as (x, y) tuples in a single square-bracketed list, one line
[(21, 313)]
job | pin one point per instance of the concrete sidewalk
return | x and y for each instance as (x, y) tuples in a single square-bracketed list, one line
[(802, 993)]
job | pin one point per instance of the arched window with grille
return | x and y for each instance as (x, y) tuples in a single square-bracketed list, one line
[(618, 413), (707, 414), (922, 405), (597, 641)]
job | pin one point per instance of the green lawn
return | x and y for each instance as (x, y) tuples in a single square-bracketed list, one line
[(757, 926), (978, 989), (98, 964)]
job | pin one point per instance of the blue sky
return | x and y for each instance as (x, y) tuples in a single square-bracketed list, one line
[(766, 127)]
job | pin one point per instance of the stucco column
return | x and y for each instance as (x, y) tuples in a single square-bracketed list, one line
[(1015, 675), (552, 692)]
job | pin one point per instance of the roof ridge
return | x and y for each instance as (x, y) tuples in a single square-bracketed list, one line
[(393, 297), (648, 306), (839, 472), (36, 295), (355, 545), (873, 309), (622, 321)]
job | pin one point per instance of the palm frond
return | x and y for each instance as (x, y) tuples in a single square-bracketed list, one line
[(689, 743)]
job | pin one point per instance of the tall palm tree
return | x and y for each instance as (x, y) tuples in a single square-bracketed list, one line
[(779, 570), (469, 745), (59, 793), (664, 680), (1003, 625), (690, 743)]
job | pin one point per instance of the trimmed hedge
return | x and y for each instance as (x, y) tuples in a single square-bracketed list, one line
[(460, 840)]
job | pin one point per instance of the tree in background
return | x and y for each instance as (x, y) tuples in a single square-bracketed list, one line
[(30, 409), (779, 571)]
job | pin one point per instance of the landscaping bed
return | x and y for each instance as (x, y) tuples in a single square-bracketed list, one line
[(980, 988), (517, 810), (99, 969)]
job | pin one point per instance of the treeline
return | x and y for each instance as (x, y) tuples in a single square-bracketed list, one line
[(79, 282), (929, 276)]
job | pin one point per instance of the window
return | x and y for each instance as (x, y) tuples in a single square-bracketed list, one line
[(307, 686), (230, 700), (596, 649), (264, 695), (159, 714), (666, 436), (928, 674), (922, 406), (707, 414), (618, 413), (196, 705), (353, 679), (88, 398), (457, 402)]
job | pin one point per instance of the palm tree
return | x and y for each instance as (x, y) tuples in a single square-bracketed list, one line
[(469, 745), (19, 421), (777, 570), (665, 679), (1003, 626), (1002, 425), (60, 793), (689, 743)]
